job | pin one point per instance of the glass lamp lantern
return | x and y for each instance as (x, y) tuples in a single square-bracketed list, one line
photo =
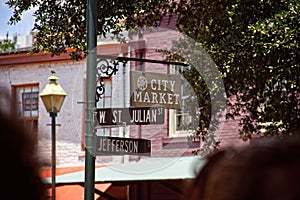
[(53, 95)]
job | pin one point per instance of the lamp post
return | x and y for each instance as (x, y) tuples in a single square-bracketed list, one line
[(53, 97)]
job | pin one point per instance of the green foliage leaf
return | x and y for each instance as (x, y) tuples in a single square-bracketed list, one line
[(61, 24), (255, 45), (6, 44)]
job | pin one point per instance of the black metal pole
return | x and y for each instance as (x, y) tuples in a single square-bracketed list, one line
[(89, 184), (53, 160)]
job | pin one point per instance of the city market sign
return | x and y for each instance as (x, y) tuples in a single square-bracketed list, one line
[(149, 89)]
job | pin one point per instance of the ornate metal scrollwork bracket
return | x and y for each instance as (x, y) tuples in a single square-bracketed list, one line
[(109, 65), (106, 67)]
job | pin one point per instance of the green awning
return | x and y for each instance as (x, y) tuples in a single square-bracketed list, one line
[(146, 169)]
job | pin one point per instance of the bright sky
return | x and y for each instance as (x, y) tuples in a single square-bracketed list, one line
[(21, 28)]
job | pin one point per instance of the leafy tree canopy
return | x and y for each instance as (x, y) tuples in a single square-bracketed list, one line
[(62, 23), (255, 45)]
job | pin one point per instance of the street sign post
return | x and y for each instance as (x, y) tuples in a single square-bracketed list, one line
[(122, 146), (130, 116)]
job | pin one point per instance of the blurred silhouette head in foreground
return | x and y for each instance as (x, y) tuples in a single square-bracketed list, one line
[(20, 177), (269, 169)]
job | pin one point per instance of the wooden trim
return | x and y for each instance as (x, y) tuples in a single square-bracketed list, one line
[(25, 58), (26, 85), (19, 58)]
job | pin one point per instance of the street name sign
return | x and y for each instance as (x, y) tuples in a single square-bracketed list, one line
[(130, 116), (122, 146)]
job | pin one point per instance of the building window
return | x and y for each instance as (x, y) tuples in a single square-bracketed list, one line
[(105, 102), (180, 121), (26, 100), (25, 104), (30, 100)]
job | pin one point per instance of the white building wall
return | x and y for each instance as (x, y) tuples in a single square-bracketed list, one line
[(69, 120)]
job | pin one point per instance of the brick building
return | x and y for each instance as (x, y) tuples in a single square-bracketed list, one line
[(24, 75)]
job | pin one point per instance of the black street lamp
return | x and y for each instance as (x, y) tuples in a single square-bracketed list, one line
[(53, 97)]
